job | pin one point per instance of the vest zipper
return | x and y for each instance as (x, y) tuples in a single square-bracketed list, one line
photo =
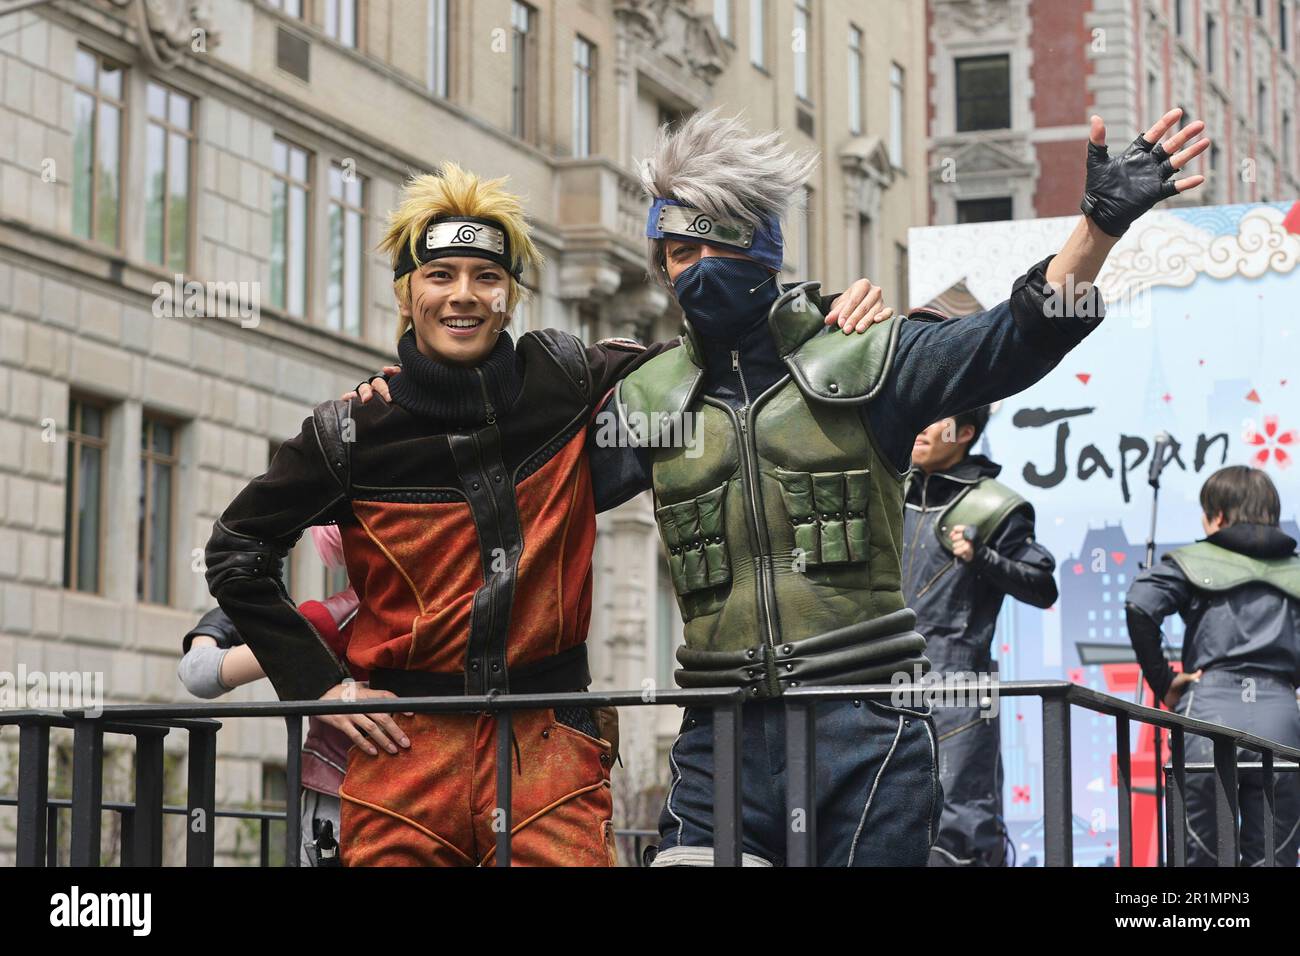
[(766, 586)]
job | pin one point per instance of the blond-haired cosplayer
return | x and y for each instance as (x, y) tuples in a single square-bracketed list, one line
[(467, 515)]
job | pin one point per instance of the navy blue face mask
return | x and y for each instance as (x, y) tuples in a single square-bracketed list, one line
[(726, 298)]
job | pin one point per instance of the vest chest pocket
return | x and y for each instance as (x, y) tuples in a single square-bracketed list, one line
[(829, 512), (694, 534)]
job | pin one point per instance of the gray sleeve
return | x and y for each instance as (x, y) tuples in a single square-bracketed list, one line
[(200, 671)]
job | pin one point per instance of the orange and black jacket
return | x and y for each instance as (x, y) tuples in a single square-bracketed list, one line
[(468, 527)]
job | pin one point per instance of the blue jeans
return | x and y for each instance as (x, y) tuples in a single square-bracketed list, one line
[(878, 793)]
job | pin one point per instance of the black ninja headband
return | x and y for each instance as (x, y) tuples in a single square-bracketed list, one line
[(447, 236)]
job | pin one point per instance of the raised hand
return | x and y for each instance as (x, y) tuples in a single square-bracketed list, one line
[(859, 307), (1120, 189)]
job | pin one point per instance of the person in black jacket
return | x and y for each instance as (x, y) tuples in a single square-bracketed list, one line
[(1238, 593), (968, 542)]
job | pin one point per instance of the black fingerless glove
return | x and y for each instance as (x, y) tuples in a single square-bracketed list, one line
[(1122, 189), (357, 387)]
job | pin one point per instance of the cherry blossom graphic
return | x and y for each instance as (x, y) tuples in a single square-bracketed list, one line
[(1075, 675), (1020, 794), (1083, 376), (1270, 443)]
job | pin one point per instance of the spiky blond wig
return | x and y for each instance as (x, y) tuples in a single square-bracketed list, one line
[(714, 163), (455, 192)]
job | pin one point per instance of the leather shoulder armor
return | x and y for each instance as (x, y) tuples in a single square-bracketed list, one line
[(828, 366), (1213, 568), (335, 433), (984, 506), (568, 352), (656, 393)]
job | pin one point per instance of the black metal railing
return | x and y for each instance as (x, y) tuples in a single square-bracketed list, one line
[(141, 831)]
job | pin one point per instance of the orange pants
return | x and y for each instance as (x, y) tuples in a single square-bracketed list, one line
[(433, 804)]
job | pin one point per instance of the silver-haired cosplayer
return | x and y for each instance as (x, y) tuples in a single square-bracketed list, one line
[(784, 528)]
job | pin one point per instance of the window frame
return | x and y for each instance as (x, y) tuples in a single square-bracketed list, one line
[(960, 99), (191, 136), (149, 458), (307, 186), (584, 73), (347, 208), (524, 74), (123, 129), (72, 486)]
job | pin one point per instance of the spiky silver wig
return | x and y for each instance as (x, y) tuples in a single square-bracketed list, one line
[(715, 164)]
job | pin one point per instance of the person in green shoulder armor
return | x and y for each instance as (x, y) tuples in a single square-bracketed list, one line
[(1238, 593), (783, 521), (968, 542)]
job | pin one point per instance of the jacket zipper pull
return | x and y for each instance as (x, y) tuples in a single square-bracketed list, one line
[(735, 361), (487, 402)]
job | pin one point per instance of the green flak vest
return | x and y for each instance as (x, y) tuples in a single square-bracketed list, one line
[(783, 521), (982, 506), (1214, 568)]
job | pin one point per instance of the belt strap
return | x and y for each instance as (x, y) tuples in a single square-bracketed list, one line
[(563, 673)]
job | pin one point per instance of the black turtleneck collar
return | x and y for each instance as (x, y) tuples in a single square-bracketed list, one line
[(456, 395), (1255, 540)]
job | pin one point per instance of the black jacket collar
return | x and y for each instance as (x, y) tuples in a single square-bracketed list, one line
[(942, 485), (1255, 540)]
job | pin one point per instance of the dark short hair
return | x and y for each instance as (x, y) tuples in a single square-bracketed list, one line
[(1243, 494), (977, 418)]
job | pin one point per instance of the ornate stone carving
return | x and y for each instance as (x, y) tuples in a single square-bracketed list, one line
[(169, 29), (672, 30), (971, 16)]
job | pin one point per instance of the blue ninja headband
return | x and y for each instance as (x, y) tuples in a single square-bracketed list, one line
[(670, 218)]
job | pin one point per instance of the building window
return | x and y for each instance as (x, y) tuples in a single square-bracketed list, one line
[(292, 7), (1178, 17), (1283, 25), (984, 210), (439, 48), (346, 292), (584, 79), (983, 93), (1259, 8), (802, 37), (290, 226), (341, 21), (168, 144), (1261, 107), (1211, 42), (524, 21), (722, 17), (758, 33), (83, 508), (866, 248), (98, 108), (896, 115), (157, 479), (855, 81), (1153, 91)]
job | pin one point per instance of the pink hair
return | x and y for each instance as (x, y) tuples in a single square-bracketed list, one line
[(329, 544)]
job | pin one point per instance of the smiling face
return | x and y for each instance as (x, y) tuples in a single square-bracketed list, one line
[(458, 306), (680, 255)]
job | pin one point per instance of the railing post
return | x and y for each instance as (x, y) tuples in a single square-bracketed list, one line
[(501, 821), (1124, 762), (147, 820), (293, 790), (1225, 800), (1058, 818), (201, 799), (1269, 810), (52, 837), (801, 783), (33, 791), (726, 785), (1176, 797), (87, 790)]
